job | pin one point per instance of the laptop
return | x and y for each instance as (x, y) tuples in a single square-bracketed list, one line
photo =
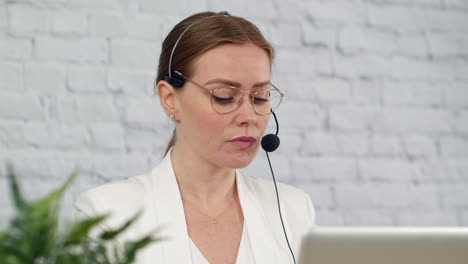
[(385, 245)]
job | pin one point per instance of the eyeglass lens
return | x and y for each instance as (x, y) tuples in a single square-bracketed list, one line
[(225, 100)]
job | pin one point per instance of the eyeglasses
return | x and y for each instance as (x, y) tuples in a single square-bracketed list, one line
[(226, 99)]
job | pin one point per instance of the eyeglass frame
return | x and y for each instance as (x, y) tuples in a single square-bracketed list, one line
[(211, 91)]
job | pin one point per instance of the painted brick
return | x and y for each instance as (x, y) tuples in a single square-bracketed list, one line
[(86, 108), (315, 115), (55, 135), (3, 17), (457, 94), (413, 93), (405, 68), (319, 35), (249, 9), (351, 12), (35, 163), (78, 50), (320, 142), (443, 44), (350, 118), (324, 169), (11, 134), (144, 112), (417, 145), (137, 139), (134, 54), (357, 66), (281, 167), (146, 27), (426, 218), (454, 147), (21, 106), (442, 171), (352, 39), (183, 7), (295, 61), (386, 145), (321, 195), (94, 4), (414, 44), (45, 79), (429, 3), (464, 218), (106, 25), (131, 82), (287, 35), (456, 4), (423, 196), (387, 170), (11, 77), (118, 166), (417, 120), (324, 62), (69, 22), (367, 217), (292, 142), (326, 217), (355, 196), (451, 21), (400, 18), (461, 122), (87, 79), (330, 90), (107, 135), (15, 48), (354, 143), (27, 20), (366, 92)]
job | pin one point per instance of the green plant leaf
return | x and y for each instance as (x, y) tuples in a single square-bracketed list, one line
[(111, 234), (131, 248), (81, 229), (14, 187)]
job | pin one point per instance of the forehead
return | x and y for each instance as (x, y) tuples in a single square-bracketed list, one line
[(239, 62)]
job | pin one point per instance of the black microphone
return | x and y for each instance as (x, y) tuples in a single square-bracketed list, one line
[(271, 142)]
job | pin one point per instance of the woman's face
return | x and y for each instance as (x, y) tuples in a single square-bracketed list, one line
[(216, 137)]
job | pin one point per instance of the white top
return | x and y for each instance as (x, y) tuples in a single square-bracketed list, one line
[(244, 255), (157, 196)]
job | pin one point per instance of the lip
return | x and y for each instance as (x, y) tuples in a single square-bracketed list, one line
[(243, 142)]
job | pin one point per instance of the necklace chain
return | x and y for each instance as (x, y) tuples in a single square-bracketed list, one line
[(215, 219)]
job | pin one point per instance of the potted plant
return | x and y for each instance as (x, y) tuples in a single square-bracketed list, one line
[(35, 236)]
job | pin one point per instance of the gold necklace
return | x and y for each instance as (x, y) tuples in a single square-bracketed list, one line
[(215, 219)]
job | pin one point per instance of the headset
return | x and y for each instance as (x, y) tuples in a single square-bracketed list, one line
[(269, 142)]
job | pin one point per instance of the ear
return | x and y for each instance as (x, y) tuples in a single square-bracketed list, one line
[(167, 97)]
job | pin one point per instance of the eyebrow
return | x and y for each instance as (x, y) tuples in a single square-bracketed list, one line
[(234, 84)]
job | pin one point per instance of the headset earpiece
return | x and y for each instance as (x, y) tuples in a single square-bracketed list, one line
[(174, 80)]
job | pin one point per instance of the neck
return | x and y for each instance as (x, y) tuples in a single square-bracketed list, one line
[(201, 181)]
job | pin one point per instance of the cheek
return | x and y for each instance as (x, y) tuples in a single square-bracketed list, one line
[(263, 123)]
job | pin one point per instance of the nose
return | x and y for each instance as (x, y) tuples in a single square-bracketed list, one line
[(246, 114)]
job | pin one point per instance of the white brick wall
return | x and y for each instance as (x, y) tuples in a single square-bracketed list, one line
[(374, 125)]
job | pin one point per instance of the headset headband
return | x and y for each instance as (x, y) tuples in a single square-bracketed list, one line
[(180, 37)]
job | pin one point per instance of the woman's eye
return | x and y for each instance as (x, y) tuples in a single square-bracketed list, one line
[(222, 100), (259, 100)]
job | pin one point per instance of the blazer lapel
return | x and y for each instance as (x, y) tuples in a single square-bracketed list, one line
[(264, 248), (170, 214)]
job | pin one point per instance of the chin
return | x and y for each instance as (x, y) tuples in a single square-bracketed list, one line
[(240, 159)]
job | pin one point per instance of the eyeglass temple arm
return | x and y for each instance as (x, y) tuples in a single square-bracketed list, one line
[(276, 121)]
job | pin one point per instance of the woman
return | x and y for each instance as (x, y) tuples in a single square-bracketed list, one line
[(214, 81)]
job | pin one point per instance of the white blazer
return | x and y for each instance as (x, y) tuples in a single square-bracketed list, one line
[(157, 195)]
